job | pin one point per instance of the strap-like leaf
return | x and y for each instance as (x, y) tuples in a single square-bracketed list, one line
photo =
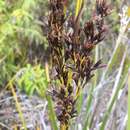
[(78, 6)]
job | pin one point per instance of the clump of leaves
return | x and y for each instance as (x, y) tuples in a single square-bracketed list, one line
[(32, 80), (71, 54)]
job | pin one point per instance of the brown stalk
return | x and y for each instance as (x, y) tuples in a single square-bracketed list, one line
[(70, 54)]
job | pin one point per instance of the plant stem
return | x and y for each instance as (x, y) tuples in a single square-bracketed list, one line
[(63, 126)]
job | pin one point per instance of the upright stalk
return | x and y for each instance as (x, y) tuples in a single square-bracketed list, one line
[(70, 55)]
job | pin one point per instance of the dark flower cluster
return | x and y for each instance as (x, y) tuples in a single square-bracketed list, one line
[(56, 21), (64, 104), (71, 54)]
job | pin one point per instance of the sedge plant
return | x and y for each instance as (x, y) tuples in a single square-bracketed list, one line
[(70, 51)]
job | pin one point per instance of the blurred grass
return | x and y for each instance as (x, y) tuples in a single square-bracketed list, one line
[(10, 86), (120, 80), (52, 115), (116, 88), (18, 106), (128, 124)]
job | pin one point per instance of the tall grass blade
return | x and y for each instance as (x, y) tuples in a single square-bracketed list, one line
[(88, 108), (96, 59), (18, 105), (115, 52), (78, 6), (117, 86), (90, 96), (52, 114), (80, 101), (128, 122)]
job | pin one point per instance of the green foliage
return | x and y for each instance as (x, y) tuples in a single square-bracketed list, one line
[(33, 80), (19, 29)]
